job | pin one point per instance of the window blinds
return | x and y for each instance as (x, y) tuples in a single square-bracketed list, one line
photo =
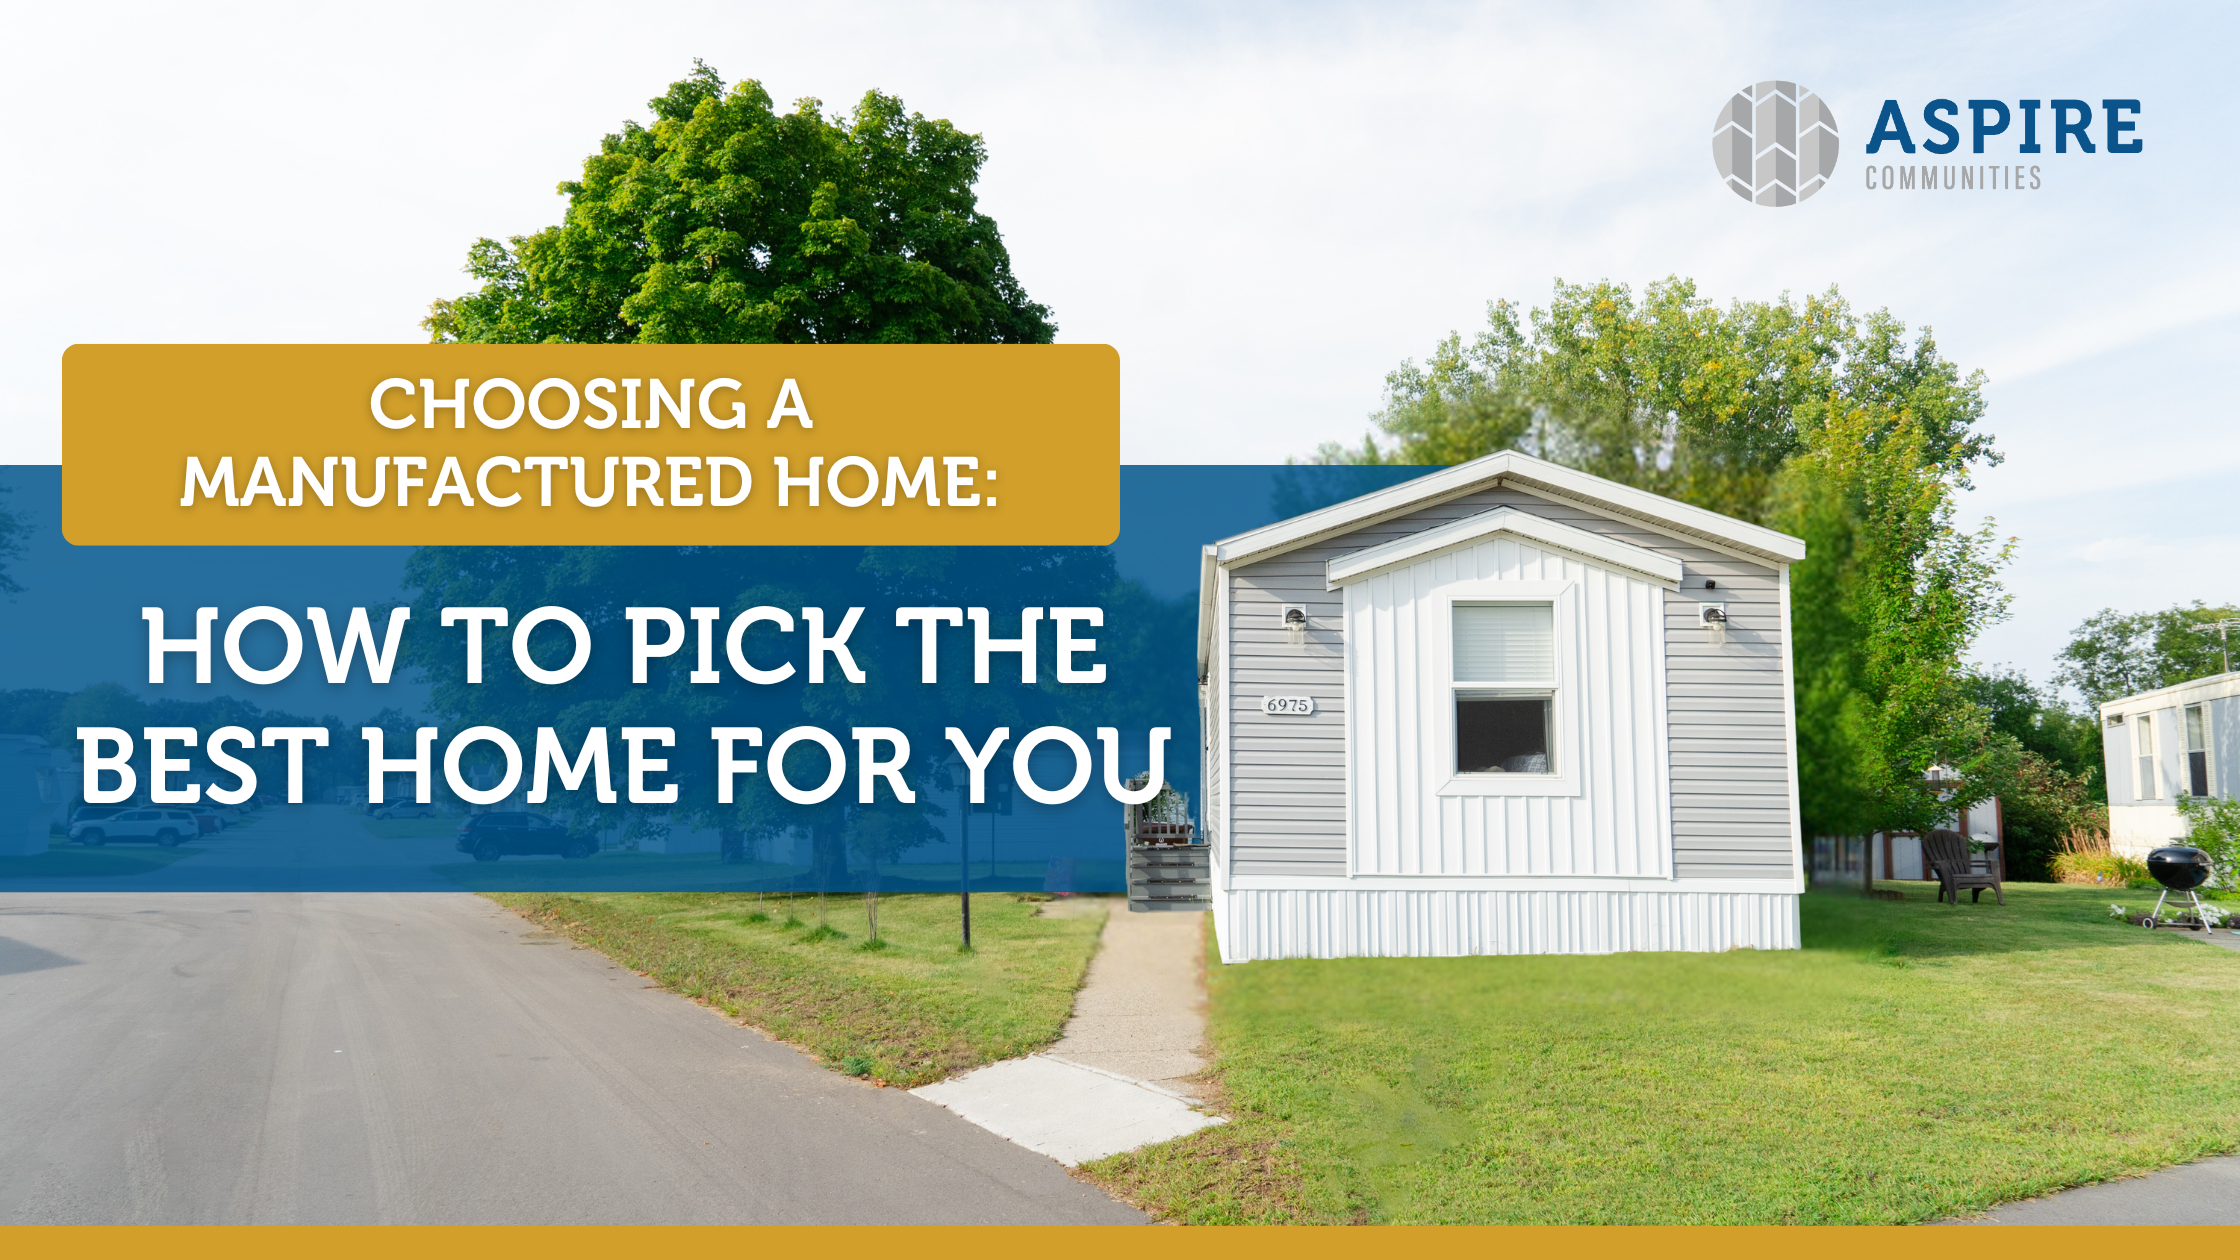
[(1505, 643)]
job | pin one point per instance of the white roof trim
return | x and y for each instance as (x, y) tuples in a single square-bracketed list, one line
[(1208, 609), (2213, 687), (1598, 492), (1504, 520)]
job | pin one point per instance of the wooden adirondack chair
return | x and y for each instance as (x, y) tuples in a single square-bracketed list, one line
[(1956, 868)]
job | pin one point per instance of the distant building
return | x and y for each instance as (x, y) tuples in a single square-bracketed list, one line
[(1897, 854), (2162, 745)]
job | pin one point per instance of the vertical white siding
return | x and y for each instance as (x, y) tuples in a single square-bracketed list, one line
[(1610, 819)]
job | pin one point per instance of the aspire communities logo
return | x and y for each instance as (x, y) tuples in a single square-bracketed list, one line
[(1775, 143)]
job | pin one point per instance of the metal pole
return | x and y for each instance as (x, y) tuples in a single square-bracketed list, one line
[(964, 862), (2224, 627)]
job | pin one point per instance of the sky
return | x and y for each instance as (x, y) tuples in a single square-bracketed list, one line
[(1266, 208)]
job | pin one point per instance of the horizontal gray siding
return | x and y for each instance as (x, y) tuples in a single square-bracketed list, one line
[(1729, 754)]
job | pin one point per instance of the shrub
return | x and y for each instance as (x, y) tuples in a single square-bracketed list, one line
[(2086, 859), (2042, 804), (2213, 826)]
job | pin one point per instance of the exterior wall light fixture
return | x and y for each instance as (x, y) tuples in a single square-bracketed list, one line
[(1713, 617)]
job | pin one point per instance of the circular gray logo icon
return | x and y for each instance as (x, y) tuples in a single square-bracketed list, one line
[(1775, 143)]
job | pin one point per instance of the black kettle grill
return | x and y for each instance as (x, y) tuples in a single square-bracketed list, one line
[(2179, 868)]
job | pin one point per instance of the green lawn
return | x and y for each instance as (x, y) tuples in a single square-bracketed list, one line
[(67, 858), (615, 869), (1912, 1062), (911, 1012)]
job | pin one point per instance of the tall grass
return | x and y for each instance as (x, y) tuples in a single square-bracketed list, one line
[(2085, 858)]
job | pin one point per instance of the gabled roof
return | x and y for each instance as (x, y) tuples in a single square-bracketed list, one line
[(1504, 520), (1521, 470)]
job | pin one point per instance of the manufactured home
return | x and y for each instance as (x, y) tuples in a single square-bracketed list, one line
[(1507, 707), (34, 786), (2162, 745)]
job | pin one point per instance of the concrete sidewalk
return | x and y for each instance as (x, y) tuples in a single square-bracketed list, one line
[(1114, 1081), (2206, 1193), (1142, 1011)]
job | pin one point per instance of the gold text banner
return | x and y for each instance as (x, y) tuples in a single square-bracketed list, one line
[(265, 445)]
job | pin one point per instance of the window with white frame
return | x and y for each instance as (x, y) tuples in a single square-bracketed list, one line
[(1504, 686), (2142, 747), (2197, 749)]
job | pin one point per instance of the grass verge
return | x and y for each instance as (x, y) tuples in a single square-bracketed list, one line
[(1914, 1061), (611, 871), (71, 860), (909, 1012)]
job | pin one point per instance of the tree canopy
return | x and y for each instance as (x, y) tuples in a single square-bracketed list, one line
[(1889, 596), (1671, 393), (1840, 428), (726, 221), (2120, 654)]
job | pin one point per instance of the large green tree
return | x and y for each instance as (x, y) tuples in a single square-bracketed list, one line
[(1670, 392), (2119, 654), (726, 221), (1889, 597)]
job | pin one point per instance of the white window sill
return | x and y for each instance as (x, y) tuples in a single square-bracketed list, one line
[(1511, 785)]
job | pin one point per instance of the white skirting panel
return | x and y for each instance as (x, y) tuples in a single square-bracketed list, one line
[(1397, 923)]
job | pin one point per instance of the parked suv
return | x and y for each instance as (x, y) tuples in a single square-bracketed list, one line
[(492, 836), (167, 827)]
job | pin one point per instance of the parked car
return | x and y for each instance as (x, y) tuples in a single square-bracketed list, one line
[(401, 809), (91, 813), (208, 820), (492, 836), (167, 827)]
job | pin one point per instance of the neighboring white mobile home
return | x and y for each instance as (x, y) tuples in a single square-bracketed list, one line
[(1507, 707), (2161, 745)]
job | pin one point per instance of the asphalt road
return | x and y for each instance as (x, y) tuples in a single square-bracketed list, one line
[(431, 1058)]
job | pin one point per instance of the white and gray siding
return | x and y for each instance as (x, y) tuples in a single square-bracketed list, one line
[(1727, 704)]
